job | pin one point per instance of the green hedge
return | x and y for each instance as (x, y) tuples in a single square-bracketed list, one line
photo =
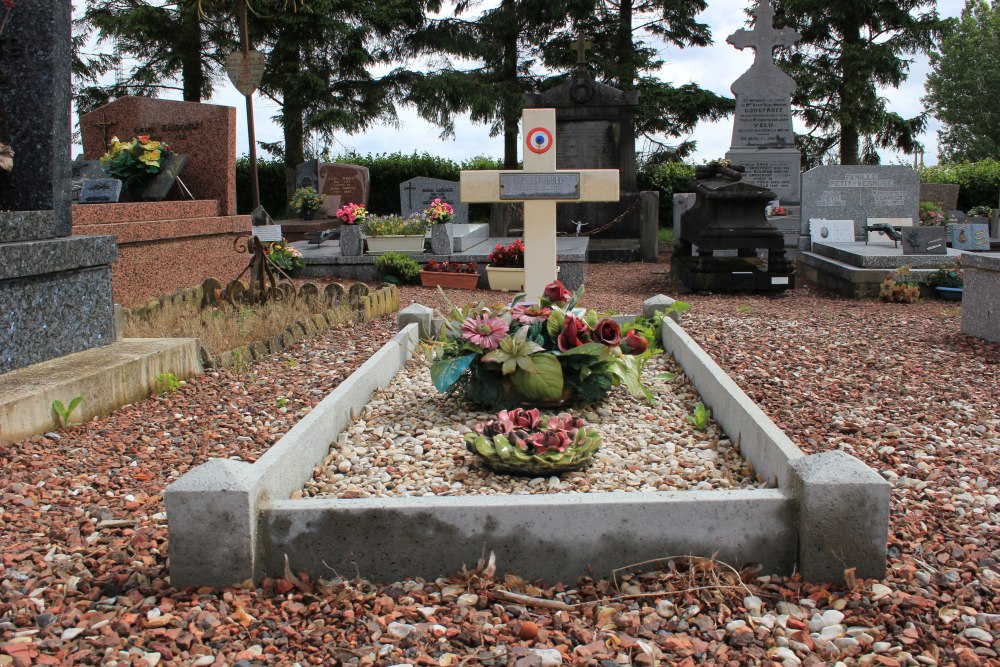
[(979, 181), (387, 171)]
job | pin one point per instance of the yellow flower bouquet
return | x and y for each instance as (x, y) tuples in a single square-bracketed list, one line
[(135, 162)]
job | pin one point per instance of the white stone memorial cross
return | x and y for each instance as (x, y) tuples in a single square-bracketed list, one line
[(540, 187)]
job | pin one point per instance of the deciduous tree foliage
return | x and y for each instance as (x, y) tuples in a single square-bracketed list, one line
[(849, 48), (964, 84)]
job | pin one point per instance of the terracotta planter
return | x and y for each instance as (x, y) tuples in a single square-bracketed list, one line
[(413, 243), (448, 279), (508, 279)]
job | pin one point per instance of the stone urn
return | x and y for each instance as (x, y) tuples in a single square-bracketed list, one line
[(351, 240), (442, 239)]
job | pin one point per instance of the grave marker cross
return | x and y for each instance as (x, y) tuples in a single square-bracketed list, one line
[(580, 46), (540, 186), (764, 38)]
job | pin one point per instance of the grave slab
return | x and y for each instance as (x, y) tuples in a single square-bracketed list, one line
[(981, 300)]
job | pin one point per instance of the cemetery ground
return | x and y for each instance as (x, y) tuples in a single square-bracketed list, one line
[(84, 577)]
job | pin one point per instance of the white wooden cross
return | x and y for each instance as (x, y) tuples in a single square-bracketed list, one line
[(540, 186)]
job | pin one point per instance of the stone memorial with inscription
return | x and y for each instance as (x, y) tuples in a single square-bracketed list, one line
[(202, 132), (307, 175), (100, 191), (342, 184), (55, 289), (82, 171), (970, 236), (860, 192), (596, 127), (416, 194), (925, 241), (763, 141)]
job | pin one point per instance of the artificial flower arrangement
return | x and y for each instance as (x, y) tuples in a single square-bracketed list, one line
[(511, 256), (777, 211), (539, 354), (526, 442), (135, 162), (395, 225), (283, 256), (979, 212), (899, 287), (439, 212), (451, 267), (352, 214), (306, 200), (952, 276)]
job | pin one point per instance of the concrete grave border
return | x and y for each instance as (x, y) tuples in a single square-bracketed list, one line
[(230, 521)]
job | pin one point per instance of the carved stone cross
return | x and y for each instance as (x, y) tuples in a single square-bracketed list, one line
[(764, 38), (580, 46)]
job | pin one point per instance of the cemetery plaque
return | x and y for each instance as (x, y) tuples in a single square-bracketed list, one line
[(245, 70), (925, 241), (956, 215), (82, 171), (416, 194), (831, 231), (159, 187), (539, 186), (307, 175), (100, 191), (342, 184), (860, 192), (970, 236)]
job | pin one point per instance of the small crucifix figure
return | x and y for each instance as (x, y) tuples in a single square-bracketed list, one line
[(540, 186), (580, 46), (104, 125)]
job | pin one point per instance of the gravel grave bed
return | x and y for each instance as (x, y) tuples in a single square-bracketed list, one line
[(408, 441)]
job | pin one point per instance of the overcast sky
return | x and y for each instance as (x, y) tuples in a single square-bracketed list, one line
[(714, 67)]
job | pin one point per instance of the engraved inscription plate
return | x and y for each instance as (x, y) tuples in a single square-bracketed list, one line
[(539, 186)]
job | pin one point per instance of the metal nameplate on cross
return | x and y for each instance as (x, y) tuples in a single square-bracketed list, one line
[(540, 187)]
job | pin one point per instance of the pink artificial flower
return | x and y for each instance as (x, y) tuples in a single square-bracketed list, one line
[(573, 329), (529, 314), (486, 331)]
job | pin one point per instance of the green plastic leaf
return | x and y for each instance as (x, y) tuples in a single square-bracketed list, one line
[(445, 372), (545, 383), (555, 323), (595, 349)]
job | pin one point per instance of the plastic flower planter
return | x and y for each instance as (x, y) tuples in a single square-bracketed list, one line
[(411, 243), (508, 279), (449, 279)]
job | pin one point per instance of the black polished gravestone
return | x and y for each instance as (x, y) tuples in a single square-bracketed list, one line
[(55, 289), (595, 129), (729, 215), (101, 191)]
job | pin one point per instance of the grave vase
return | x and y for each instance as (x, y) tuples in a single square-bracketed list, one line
[(351, 241), (508, 279), (442, 239)]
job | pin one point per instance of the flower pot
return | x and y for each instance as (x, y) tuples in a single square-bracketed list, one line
[(442, 239), (307, 215), (448, 279), (508, 279), (411, 243), (948, 293), (351, 240)]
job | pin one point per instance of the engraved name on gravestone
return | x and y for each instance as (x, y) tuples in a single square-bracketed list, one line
[(416, 194), (763, 140), (859, 192), (342, 184), (100, 191), (539, 186)]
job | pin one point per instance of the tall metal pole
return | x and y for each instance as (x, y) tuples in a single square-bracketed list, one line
[(245, 47)]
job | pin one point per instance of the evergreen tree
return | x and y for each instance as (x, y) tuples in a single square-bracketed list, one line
[(503, 47), (848, 49), (622, 34), (964, 85)]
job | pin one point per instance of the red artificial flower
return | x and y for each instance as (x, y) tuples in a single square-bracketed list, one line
[(143, 138), (573, 329), (9, 4), (607, 332), (556, 292), (634, 343)]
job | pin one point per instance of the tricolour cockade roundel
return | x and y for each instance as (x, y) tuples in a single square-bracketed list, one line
[(539, 140)]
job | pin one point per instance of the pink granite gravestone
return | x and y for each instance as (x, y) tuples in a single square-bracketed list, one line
[(206, 133), (342, 184)]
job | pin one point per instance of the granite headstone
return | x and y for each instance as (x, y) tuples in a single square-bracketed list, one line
[(307, 175), (342, 184), (416, 194), (55, 289), (763, 141), (944, 195), (83, 170), (101, 191), (859, 192)]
